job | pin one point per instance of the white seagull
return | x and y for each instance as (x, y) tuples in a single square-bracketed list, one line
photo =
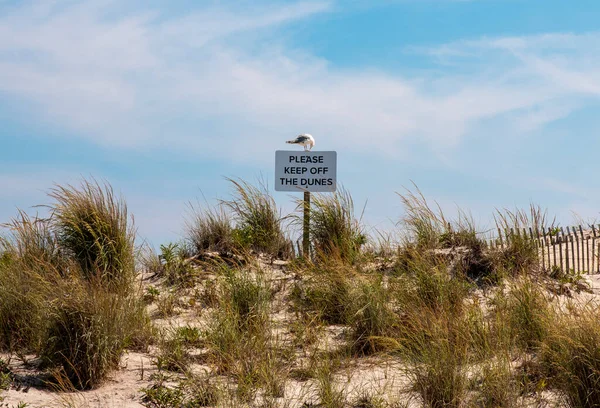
[(304, 140)]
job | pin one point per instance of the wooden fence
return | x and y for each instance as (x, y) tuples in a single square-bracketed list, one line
[(570, 248)]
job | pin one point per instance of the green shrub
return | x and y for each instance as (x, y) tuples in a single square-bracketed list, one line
[(172, 355), (174, 266), (246, 296)]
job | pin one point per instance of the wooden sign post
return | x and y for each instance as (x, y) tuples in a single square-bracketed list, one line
[(306, 224), (308, 172)]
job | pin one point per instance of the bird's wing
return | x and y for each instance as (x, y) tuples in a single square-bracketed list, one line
[(300, 139)]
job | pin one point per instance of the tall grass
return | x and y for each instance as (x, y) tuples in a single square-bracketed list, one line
[(428, 226), (32, 264), (520, 253), (434, 331), (328, 291), (527, 313), (439, 353), (66, 285), (211, 229), (258, 222), (424, 223), (571, 355), (32, 241), (429, 230), (374, 323), (334, 229), (499, 387), (23, 310), (239, 337), (88, 332), (92, 224)]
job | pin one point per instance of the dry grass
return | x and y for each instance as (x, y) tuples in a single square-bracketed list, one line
[(520, 254), (211, 229), (571, 356), (239, 337), (92, 225), (258, 222), (67, 286), (334, 229), (260, 330)]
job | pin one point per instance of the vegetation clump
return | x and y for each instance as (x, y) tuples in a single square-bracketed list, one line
[(258, 222), (334, 230), (465, 322), (66, 285)]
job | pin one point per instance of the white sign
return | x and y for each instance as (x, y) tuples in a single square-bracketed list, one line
[(305, 171)]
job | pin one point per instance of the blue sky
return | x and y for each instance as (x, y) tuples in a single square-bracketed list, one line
[(483, 104)]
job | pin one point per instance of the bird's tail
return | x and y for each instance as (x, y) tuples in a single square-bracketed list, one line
[(290, 141)]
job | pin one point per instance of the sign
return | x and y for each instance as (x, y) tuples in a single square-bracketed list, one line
[(308, 171)]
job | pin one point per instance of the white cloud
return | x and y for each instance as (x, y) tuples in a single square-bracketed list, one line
[(219, 82)]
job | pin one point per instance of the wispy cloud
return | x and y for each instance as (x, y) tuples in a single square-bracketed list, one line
[(220, 81)]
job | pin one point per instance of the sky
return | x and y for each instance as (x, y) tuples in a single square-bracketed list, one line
[(483, 104)]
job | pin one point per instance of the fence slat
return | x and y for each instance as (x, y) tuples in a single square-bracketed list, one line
[(585, 255), (592, 270), (556, 241), (538, 244), (576, 238), (562, 233), (572, 248), (547, 241)]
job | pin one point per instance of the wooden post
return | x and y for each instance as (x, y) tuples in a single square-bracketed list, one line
[(306, 231)]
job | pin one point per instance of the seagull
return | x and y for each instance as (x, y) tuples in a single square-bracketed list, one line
[(304, 140)]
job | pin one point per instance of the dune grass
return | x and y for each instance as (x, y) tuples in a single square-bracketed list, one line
[(258, 221), (92, 224), (334, 229), (571, 355), (211, 229), (67, 286), (239, 337), (68, 294)]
